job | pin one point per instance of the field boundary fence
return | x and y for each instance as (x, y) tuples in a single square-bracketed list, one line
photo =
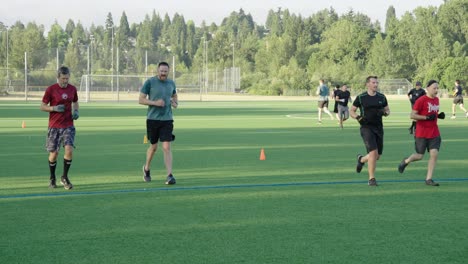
[(108, 87)]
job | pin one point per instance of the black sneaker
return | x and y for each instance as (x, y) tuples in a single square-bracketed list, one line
[(359, 164), (146, 175), (170, 180), (372, 182), (66, 183), (402, 166), (52, 183), (430, 182)]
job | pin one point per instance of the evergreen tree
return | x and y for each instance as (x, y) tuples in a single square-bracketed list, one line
[(57, 37), (390, 18)]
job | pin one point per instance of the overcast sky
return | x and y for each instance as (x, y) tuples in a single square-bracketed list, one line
[(46, 12)]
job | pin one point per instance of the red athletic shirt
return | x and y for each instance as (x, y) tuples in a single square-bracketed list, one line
[(56, 95), (425, 106)]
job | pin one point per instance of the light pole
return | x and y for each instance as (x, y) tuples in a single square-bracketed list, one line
[(233, 58), (202, 79), (233, 64), (91, 38), (7, 57), (7, 65), (205, 63), (90, 65), (112, 58), (206, 66)]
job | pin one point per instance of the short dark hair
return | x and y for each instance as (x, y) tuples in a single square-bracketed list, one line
[(63, 70), (163, 63), (431, 82), (371, 77), (457, 82)]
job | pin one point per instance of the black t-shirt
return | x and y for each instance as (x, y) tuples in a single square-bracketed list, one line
[(343, 95), (414, 94), (371, 108), (459, 91)]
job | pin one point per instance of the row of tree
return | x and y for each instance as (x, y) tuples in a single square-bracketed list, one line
[(289, 52)]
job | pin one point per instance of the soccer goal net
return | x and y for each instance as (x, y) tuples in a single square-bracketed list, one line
[(395, 86), (127, 87), (110, 87)]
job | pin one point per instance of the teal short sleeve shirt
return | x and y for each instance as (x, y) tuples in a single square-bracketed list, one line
[(157, 89)]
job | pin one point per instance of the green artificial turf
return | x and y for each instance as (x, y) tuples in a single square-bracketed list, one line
[(303, 204)]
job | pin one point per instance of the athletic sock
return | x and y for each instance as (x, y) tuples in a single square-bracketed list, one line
[(66, 167), (52, 167)]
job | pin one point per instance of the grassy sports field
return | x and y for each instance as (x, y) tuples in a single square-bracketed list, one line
[(303, 204)]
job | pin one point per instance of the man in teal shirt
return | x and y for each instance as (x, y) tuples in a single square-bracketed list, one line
[(323, 93), (160, 95)]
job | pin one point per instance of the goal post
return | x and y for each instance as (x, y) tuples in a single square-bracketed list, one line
[(110, 87), (189, 85), (395, 86)]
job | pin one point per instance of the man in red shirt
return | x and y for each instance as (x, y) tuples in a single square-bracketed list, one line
[(61, 101), (427, 136)]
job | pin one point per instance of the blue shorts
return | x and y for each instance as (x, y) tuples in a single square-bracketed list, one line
[(60, 136)]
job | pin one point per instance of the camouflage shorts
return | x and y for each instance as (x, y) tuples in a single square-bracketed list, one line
[(60, 136)]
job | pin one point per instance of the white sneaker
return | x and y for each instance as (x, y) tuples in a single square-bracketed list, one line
[(466, 114), (453, 117)]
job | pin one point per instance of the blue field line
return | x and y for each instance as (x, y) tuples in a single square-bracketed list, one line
[(73, 193)]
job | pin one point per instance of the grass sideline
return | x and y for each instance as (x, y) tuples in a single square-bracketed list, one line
[(304, 204)]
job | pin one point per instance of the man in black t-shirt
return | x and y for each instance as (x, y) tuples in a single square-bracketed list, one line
[(413, 95), (458, 93), (372, 106), (342, 98), (336, 90)]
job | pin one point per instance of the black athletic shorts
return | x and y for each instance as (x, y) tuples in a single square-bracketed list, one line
[(422, 145), (373, 138), (157, 130), (322, 104), (458, 100)]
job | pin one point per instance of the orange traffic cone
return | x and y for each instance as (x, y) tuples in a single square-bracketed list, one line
[(23, 125), (262, 155), (145, 139)]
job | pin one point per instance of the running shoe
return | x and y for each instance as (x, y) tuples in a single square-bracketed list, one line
[(359, 164), (66, 183), (52, 183), (146, 175), (372, 182), (430, 182), (170, 180), (402, 166)]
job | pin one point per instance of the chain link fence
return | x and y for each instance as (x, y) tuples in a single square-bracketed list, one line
[(127, 87), (105, 79)]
